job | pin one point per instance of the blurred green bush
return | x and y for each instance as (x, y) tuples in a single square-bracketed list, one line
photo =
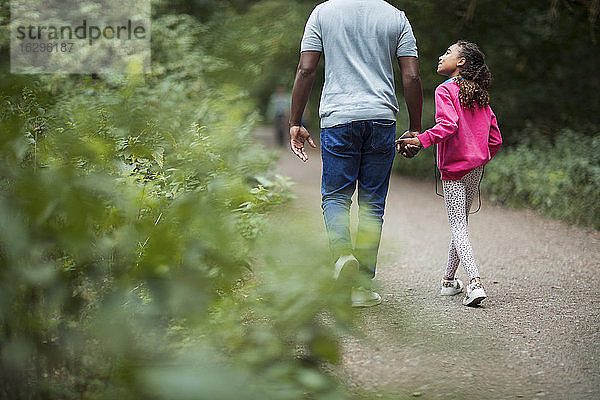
[(558, 177), (138, 257)]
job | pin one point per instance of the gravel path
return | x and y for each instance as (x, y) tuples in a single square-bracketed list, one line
[(536, 336)]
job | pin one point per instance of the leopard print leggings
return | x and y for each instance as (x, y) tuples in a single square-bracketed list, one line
[(458, 196)]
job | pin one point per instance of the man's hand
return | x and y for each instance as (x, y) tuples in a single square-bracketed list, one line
[(408, 145), (305, 76), (298, 135)]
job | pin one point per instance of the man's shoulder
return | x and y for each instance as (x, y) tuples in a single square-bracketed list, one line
[(329, 4), (382, 6), (388, 7)]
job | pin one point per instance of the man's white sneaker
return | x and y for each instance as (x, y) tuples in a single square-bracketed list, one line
[(451, 287), (346, 268), (475, 294), (362, 297)]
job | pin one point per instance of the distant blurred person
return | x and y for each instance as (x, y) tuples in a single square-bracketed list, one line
[(360, 40), (278, 113)]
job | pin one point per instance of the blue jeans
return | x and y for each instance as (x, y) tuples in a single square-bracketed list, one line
[(363, 152)]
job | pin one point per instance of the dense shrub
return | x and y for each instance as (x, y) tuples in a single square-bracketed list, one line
[(560, 178), (136, 257)]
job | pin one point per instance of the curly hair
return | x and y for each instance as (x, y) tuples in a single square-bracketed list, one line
[(476, 77)]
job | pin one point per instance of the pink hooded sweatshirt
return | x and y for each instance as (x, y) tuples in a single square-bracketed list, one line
[(467, 138)]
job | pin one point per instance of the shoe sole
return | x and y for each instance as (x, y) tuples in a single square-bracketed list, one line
[(475, 300), (348, 271), (369, 304)]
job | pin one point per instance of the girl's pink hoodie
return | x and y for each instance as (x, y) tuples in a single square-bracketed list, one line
[(467, 138)]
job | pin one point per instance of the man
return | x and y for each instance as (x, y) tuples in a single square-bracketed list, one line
[(278, 112), (360, 40)]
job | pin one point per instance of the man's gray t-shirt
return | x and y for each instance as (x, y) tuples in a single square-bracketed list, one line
[(360, 40)]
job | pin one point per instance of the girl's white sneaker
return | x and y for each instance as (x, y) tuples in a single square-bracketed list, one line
[(451, 287), (475, 294)]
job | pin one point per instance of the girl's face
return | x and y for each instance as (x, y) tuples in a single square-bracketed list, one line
[(450, 62)]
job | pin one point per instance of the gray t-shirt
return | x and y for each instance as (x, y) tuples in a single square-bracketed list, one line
[(360, 40)]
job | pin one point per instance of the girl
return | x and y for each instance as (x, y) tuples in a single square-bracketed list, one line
[(468, 137)]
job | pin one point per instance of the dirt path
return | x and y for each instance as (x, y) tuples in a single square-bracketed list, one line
[(536, 336)]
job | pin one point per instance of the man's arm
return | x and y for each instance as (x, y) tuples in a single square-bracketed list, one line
[(305, 77), (413, 96), (413, 91)]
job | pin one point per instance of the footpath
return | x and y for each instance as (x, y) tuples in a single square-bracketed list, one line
[(537, 336)]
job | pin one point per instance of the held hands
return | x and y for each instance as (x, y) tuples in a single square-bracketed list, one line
[(408, 144), (298, 135)]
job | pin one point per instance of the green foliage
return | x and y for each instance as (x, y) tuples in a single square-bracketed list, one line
[(558, 178), (260, 47), (136, 255)]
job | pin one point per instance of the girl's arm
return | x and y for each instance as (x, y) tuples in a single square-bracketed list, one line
[(446, 119), (495, 139)]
